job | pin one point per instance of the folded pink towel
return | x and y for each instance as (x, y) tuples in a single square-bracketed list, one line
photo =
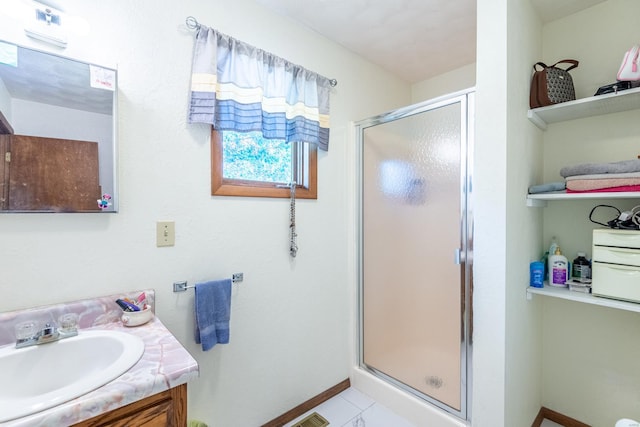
[(599, 184), (623, 188)]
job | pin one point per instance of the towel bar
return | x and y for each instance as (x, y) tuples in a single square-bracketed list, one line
[(182, 286)]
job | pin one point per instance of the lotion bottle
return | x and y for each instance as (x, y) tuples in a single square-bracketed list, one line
[(558, 269)]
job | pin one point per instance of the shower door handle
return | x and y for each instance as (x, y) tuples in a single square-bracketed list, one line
[(459, 256)]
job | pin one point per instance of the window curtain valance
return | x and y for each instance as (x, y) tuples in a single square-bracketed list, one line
[(235, 86)]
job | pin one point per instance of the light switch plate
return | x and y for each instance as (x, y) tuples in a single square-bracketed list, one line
[(165, 233)]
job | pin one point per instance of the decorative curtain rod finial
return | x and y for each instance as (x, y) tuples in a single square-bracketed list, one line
[(192, 23)]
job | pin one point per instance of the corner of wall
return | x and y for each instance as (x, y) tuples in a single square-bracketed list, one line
[(523, 331), (5, 102), (490, 208), (452, 81)]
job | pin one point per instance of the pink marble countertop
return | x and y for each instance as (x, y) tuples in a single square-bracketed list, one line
[(164, 364)]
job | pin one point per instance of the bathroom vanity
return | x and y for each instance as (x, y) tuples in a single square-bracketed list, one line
[(153, 391), (167, 408)]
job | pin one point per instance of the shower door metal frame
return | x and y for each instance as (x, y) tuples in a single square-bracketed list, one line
[(463, 257)]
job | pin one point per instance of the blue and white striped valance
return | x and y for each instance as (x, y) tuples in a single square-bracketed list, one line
[(235, 86)]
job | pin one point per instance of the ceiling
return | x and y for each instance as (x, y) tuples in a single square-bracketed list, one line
[(413, 39)]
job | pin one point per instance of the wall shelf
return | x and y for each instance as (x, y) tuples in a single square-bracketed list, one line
[(565, 293), (540, 200), (586, 107)]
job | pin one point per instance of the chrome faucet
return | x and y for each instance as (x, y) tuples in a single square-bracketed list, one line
[(26, 334)]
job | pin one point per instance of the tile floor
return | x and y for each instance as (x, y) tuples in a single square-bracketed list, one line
[(351, 408)]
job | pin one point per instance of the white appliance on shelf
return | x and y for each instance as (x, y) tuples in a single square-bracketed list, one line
[(616, 264)]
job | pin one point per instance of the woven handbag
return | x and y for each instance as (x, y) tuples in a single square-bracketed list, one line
[(552, 85)]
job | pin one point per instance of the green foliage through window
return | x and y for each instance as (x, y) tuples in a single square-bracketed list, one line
[(249, 156)]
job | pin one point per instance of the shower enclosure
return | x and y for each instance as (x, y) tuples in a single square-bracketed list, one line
[(415, 243)]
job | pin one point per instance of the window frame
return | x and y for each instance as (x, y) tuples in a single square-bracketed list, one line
[(305, 168)]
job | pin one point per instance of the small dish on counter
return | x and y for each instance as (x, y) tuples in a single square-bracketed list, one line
[(137, 318)]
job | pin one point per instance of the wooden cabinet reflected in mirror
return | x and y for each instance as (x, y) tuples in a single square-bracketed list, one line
[(48, 174), (57, 133)]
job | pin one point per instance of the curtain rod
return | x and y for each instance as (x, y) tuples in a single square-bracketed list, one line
[(193, 24)]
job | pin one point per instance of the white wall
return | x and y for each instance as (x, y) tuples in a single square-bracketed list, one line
[(523, 364), (590, 353), (490, 210), (452, 81), (291, 319), (525, 352), (5, 102), (606, 138)]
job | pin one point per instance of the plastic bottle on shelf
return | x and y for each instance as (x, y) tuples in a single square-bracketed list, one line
[(581, 271), (545, 266), (536, 274), (558, 269), (547, 254), (553, 246)]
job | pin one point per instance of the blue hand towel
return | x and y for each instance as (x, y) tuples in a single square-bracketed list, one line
[(546, 188), (213, 310)]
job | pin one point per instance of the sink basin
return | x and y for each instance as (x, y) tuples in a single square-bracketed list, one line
[(39, 377)]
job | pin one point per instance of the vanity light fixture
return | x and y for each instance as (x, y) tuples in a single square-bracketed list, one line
[(46, 25)]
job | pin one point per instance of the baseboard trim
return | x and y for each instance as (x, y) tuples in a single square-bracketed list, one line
[(556, 417), (309, 404)]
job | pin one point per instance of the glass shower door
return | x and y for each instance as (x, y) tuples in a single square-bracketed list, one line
[(412, 245)]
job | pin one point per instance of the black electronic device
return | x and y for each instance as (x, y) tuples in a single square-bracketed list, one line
[(628, 220), (616, 87)]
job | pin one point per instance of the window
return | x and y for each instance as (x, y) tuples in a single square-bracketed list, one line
[(246, 164)]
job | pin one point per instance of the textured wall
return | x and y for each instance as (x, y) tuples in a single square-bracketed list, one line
[(589, 353), (291, 324), (489, 214), (5, 102), (524, 225), (452, 81)]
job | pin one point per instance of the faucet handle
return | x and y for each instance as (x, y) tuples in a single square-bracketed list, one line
[(68, 324), (26, 330)]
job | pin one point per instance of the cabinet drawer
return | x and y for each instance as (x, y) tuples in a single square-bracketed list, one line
[(620, 238), (616, 281), (616, 255)]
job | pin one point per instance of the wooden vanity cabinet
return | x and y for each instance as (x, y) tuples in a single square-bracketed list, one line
[(48, 174), (165, 409)]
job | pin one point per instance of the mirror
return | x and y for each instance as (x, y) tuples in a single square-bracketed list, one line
[(57, 133)]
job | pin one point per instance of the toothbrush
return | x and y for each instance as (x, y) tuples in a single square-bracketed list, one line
[(141, 298), (127, 306)]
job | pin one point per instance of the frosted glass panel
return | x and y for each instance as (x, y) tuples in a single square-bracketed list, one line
[(411, 219)]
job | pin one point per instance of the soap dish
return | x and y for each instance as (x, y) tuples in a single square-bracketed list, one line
[(137, 318)]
